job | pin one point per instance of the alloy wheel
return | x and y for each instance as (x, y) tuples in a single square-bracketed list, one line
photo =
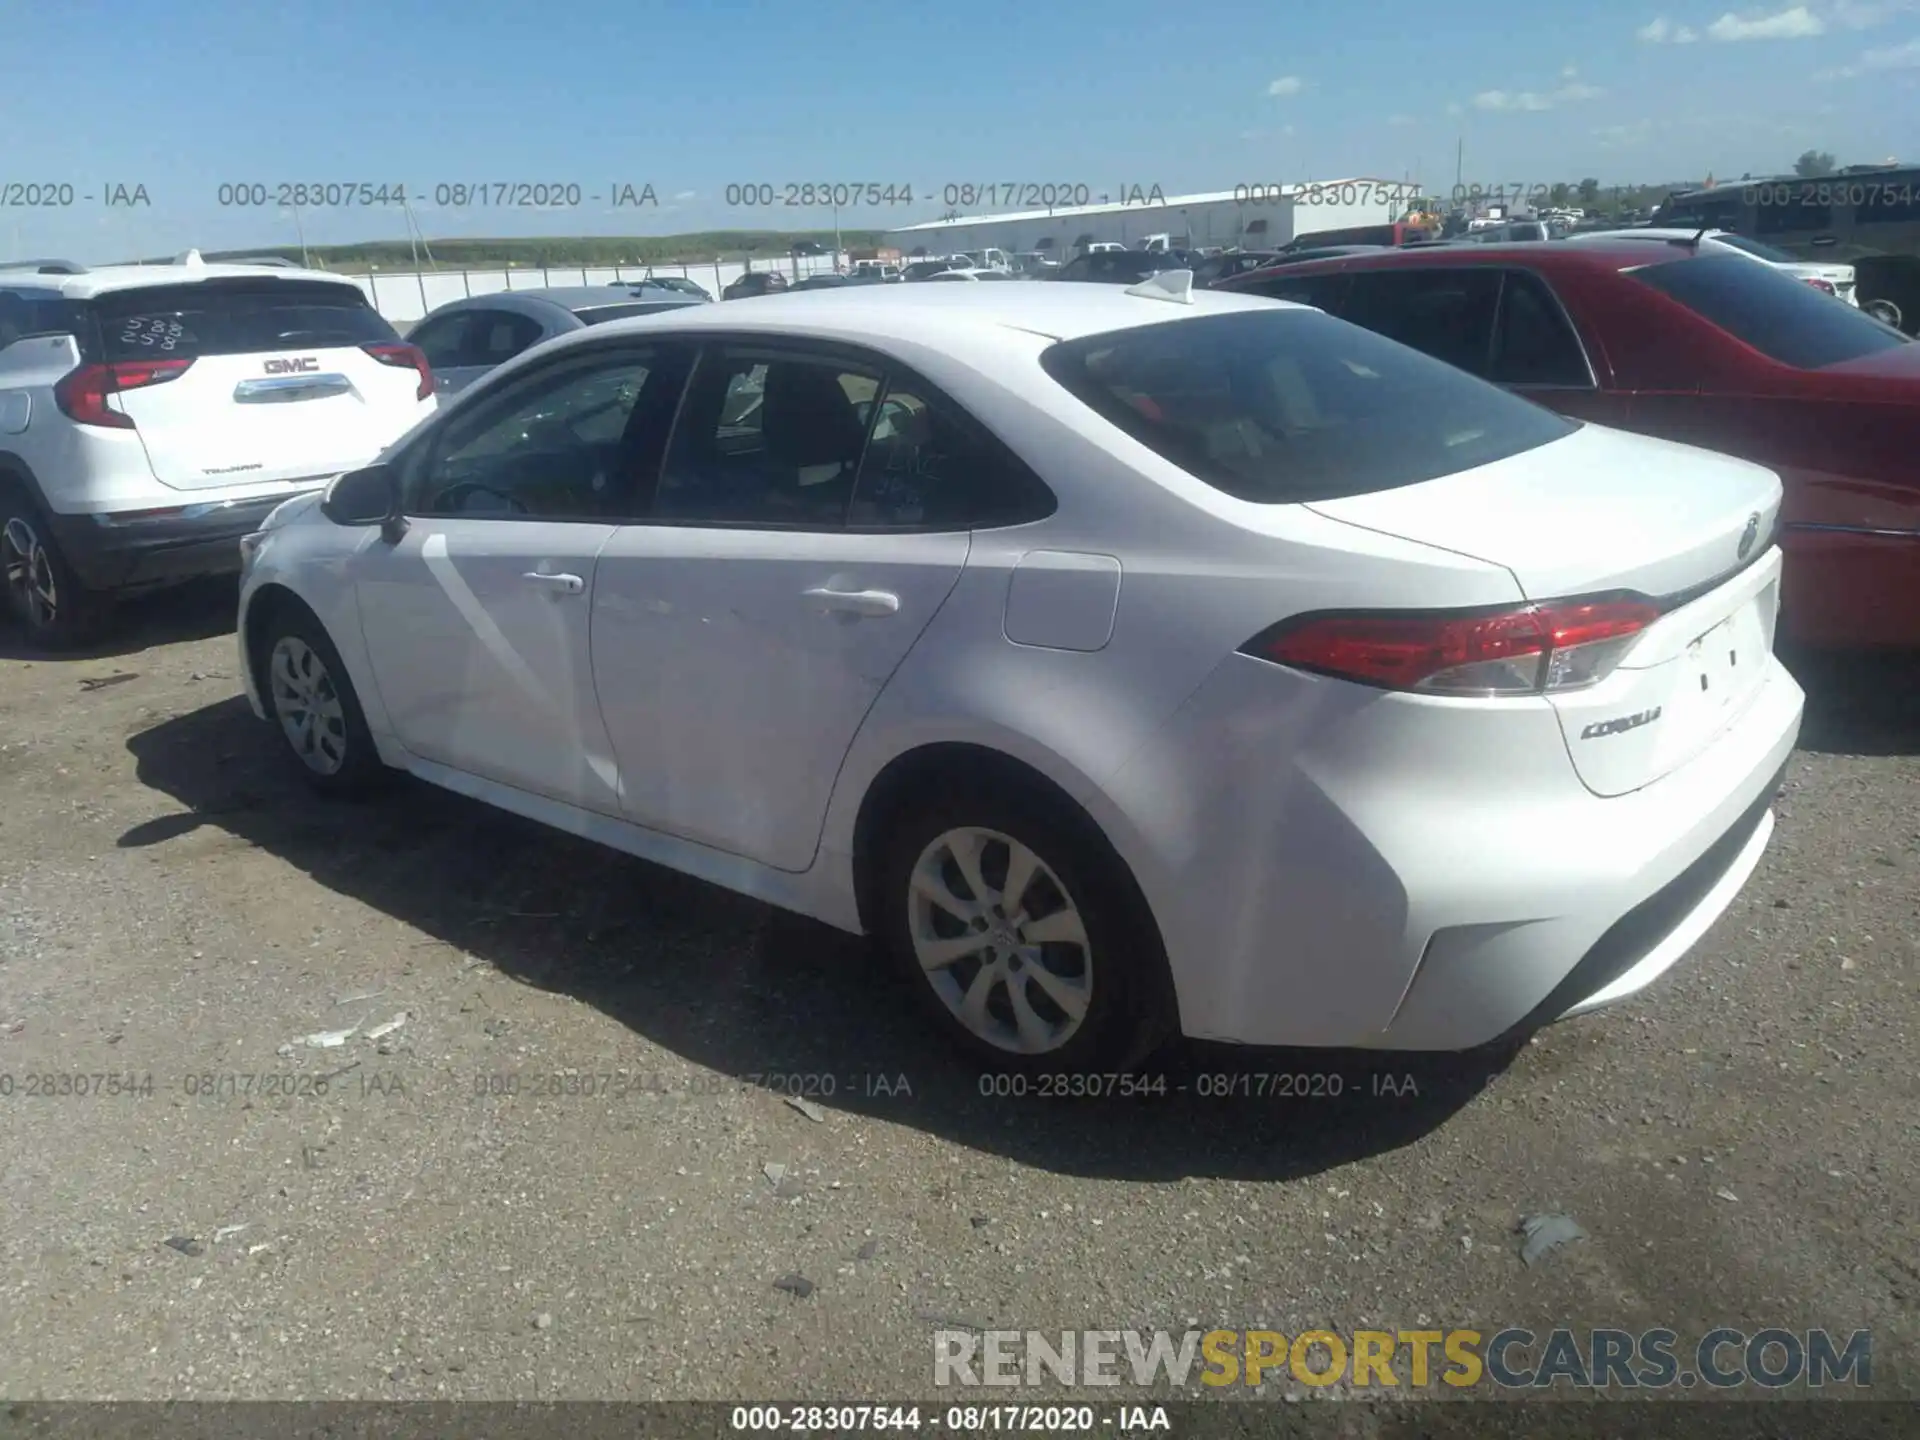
[(1000, 940), (308, 706), (29, 574)]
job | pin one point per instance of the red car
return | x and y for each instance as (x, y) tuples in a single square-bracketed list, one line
[(1715, 350)]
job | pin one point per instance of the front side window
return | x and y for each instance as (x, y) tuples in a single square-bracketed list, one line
[(1284, 406), (767, 440), (569, 444), (1783, 318)]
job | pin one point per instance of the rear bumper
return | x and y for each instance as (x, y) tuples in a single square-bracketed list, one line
[(1431, 876), (120, 552)]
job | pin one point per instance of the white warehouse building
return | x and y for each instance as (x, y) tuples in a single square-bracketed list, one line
[(1250, 217)]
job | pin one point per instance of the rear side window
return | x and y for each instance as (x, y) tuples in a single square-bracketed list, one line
[(37, 313), (1285, 406), (926, 466), (236, 317), (1534, 344), (1783, 318)]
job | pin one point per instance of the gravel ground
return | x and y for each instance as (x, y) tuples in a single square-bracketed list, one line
[(1739, 1145)]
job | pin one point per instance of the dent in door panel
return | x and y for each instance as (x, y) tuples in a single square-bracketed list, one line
[(1063, 600)]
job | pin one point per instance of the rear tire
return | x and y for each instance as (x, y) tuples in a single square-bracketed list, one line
[(311, 701), (42, 593), (1059, 977), (1887, 311)]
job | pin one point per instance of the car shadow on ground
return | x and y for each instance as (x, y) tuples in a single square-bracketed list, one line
[(1865, 703), (742, 989), (183, 613)]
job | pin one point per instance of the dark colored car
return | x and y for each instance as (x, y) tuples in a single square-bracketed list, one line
[(1293, 257), (679, 283), (755, 282), (1708, 349), (466, 338), (1121, 267), (1213, 268), (926, 269), (824, 282)]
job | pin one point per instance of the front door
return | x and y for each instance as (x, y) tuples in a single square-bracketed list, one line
[(476, 621)]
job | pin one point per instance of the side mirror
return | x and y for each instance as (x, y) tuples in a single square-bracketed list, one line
[(364, 497)]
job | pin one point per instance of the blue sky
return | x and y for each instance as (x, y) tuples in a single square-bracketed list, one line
[(183, 97)]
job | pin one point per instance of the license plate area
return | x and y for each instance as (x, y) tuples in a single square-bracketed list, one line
[(1724, 664)]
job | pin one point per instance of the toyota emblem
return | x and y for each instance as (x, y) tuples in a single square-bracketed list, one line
[(1749, 535)]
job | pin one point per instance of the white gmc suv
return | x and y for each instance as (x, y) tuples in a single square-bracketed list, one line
[(151, 415)]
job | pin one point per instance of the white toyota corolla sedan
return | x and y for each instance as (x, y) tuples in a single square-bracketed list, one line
[(1128, 662)]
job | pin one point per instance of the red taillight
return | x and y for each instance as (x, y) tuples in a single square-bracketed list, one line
[(1823, 286), (1529, 651), (404, 357), (82, 394)]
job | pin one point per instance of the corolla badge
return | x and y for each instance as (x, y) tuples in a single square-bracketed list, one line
[(1749, 535)]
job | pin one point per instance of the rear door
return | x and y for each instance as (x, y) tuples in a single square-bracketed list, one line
[(285, 380), (812, 517)]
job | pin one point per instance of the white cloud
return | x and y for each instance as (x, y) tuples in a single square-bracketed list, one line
[(684, 195), (1456, 109), (1534, 100), (1891, 57), (1401, 120), (1854, 15), (1799, 23), (1663, 31), (1287, 85), (1286, 130), (1568, 72)]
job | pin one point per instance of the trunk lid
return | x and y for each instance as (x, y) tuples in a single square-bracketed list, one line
[(1603, 511), (280, 386)]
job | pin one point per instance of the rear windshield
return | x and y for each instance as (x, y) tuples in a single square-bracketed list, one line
[(220, 317), (1282, 406), (600, 314), (1783, 318)]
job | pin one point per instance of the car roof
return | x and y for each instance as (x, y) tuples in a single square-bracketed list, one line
[(542, 301), (958, 317), (1599, 254), (74, 282)]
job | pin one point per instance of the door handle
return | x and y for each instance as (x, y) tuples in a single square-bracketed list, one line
[(856, 602), (566, 584)]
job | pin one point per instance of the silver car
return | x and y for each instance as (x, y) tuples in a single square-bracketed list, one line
[(464, 339)]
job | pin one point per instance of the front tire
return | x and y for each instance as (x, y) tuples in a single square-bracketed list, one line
[(1887, 312), (312, 703), (42, 592), (1022, 934)]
